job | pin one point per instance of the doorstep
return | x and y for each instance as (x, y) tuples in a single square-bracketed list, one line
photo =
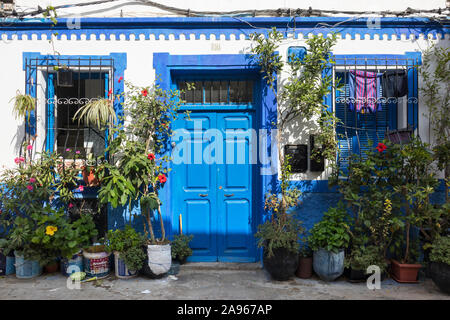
[(221, 266)]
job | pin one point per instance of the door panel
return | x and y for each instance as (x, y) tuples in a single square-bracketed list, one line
[(193, 190), (235, 189)]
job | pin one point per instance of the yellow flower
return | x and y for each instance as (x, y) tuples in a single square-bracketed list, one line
[(50, 230)]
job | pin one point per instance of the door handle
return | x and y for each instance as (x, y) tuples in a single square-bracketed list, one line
[(229, 195), (203, 195)]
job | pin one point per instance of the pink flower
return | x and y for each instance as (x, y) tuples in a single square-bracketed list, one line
[(81, 188), (68, 149), (77, 152), (21, 159), (29, 187), (29, 147), (16, 160), (70, 205), (32, 180), (120, 79)]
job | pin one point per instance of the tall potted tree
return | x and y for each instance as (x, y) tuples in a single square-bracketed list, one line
[(138, 169)]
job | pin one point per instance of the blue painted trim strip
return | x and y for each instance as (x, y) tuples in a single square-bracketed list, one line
[(223, 25), (50, 140)]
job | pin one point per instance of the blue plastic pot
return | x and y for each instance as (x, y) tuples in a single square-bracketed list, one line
[(10, 265), (328, 265), (27, 269), (121, 268), (75, 264)]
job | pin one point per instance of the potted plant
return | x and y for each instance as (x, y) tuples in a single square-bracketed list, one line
[(414, 187), (23, 105), (305, 263), (127, 248), (96, 261), (279, 235), (329, 238), (76, 234), (180, 251), (440, 263), (136, 173), (360, 259), (97, 113)]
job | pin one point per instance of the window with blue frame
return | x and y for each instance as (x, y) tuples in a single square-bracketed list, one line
[(70, 83), (206, 92), (377, 101)]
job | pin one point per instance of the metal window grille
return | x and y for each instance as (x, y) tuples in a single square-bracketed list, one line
[(358, 128), (73, 80)]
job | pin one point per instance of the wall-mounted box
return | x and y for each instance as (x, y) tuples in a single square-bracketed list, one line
[(299, 157)]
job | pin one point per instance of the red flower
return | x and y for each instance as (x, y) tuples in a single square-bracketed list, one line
[(70, 205), (162, 178), (81, 188), (32, 180), (151, 156), (381, 147), (29, 147), (120, 79), (30, 188), (109, 92), (144, 92)]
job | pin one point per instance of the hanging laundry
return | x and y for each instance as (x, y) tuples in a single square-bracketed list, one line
[(363, 90), (395, 83)]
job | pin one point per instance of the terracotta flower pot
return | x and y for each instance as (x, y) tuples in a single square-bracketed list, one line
[(52, 267), (89, 177), (305, 267), (405, 272)]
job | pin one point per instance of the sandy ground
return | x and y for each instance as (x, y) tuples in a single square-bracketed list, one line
[(197, 282)]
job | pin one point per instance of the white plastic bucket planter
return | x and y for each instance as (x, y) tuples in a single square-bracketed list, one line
[(121, 269), (159, 258)]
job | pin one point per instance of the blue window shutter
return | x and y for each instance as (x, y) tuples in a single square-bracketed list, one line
[(372, 126)]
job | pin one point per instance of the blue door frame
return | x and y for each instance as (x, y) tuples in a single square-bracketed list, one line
[(167, 68)]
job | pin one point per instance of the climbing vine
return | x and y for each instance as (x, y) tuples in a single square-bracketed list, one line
[(435, 72)]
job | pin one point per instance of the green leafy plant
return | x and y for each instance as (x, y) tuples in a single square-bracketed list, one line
[(441, 250), (332, 233), (281, 229), (23, 105), (97, 113), (128, 243), (180, 247), (362, 257)]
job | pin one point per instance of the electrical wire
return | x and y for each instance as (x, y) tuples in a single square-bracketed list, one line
[(310, 12)]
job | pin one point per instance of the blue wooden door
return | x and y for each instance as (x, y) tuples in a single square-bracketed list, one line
[(212, 184)]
